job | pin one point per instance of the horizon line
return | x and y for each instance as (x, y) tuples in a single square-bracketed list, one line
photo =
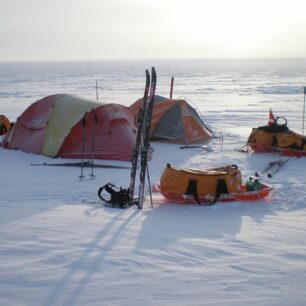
[(150, 59)]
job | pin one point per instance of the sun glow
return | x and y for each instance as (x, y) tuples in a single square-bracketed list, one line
[(236, 28), (111, 29)]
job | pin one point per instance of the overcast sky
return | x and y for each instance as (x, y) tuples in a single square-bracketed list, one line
[(139, 29)]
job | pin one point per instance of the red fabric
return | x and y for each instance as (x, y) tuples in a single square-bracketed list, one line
[(114, 133), (271, 118), (111, 138), (30, 128)]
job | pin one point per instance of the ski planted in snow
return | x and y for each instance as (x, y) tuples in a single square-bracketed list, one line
[(146, 139), (124, 197), (140, 126)]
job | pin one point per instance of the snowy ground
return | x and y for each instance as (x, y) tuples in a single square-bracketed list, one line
[(61, 246)]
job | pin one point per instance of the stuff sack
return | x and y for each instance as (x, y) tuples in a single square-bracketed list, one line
[(5, 125)]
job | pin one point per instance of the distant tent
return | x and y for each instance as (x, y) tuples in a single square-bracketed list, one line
[(175, 121), (5, 125), (56, 126)]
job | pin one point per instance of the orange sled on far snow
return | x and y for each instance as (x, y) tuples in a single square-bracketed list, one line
[(276, 137)]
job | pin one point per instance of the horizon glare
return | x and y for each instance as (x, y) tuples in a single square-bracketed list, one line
[(173, 29)]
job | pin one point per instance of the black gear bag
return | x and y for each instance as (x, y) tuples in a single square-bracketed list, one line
[(119, 197)]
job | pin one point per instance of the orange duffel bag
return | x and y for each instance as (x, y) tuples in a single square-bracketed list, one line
[(175, 183)]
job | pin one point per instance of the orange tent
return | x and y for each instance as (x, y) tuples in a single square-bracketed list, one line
[(175, 120)]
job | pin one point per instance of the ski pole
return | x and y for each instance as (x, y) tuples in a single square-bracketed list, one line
[(83, 124), (222, 141), (149, 183), (94, 123)]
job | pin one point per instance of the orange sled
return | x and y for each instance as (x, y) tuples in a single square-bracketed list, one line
[(276, 137), (283, 151), (244, 195)]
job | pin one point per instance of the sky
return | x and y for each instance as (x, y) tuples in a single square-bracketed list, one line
[(142, 29)]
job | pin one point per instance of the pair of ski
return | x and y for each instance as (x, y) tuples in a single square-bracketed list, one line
[(125, 197), (142, 144), (272, 168)]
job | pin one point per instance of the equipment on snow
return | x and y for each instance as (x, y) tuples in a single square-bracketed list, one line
[(200, 183), (271, 167), (206, 148), (5, 125), (140, 124), (86, 164), (146, 139), (121, 197), (276, 168), (277, 137), (253, 184), (206, 187)]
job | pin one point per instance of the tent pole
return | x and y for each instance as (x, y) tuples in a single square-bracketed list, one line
[(171, 87), (97, 96), (222, 139), (304, 110)]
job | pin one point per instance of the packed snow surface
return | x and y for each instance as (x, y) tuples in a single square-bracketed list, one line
[(60, 245)]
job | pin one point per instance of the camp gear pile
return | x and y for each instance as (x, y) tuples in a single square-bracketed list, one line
[(276, 137)]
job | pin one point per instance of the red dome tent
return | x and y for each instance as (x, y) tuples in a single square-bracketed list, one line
[(57, 125)]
